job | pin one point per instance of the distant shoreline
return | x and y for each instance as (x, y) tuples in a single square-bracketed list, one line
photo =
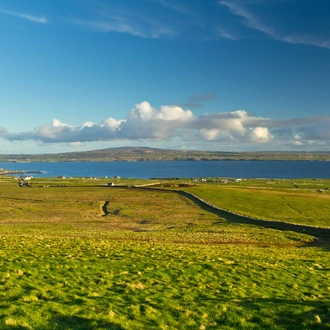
[(7, 172), (167, 160), (145, 154)]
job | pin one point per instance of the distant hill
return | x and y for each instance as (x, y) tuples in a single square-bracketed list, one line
[(134, 154)]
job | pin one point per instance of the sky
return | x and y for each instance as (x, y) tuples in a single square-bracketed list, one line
[(226, 75)]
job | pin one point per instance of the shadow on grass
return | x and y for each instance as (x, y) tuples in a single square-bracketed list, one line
[(277, 314), (257, 313), (82, 323)]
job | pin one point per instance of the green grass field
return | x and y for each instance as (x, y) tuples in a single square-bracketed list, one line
[(295, 201), (78, 255)]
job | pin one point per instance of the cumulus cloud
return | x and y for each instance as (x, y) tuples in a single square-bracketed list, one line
[(237, 126), (260, 135), (215, 134), (145, 122)]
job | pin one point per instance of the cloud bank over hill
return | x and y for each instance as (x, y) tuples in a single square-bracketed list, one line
[(147, 123)]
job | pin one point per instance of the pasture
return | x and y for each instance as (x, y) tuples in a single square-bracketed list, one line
[(304, 201), (76, 254)]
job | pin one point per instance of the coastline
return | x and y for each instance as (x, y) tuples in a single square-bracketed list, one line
[(7, 172)]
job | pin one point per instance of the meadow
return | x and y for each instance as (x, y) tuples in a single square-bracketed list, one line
[(304, 201), (76, 254)]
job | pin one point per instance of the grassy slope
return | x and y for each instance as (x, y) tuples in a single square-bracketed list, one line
[(68, 260), (63, 283), (294, 205)]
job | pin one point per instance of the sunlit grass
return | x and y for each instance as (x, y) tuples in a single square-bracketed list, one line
[(130, 214), (308, 207), (101, 283), (93, 257)]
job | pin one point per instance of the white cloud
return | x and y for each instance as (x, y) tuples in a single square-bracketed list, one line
[(124, 27), (32, 18), (249, 19), (112, 123), (236, 126), (124, 20), (88, 124), (260, 135), (159, 19), (142, 111), (307, 40), (145, 112), (170, 113), (75, 144), (57, 123), (225, 34), (215, 134), (178, 8), (252, 21), (171, 122)]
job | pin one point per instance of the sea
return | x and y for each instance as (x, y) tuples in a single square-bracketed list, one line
[(175, 169)]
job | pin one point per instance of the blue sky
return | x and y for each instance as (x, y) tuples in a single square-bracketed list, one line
[(184, 74)]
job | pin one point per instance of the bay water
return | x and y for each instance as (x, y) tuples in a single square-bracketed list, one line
[(176, 169)]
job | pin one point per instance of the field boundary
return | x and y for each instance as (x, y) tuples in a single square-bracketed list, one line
[(281, 225)]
